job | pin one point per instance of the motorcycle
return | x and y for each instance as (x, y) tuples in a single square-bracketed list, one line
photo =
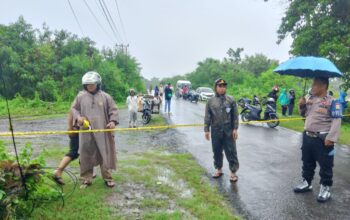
[(192, 96), (252, 112), (178, 93), (146, 110)]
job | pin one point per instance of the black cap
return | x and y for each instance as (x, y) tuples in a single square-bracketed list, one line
[(220, 81)]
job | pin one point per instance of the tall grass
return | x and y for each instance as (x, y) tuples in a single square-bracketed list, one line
[(20, 106)]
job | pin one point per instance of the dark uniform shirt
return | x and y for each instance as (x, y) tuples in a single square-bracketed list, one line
[(318, 117), (168, 93), (219, 111)]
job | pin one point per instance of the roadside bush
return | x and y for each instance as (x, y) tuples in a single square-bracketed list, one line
[(16, 202)]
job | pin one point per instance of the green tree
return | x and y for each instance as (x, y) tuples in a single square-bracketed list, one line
[(50, 64), (320, 28), (257, 63), (234, 56)]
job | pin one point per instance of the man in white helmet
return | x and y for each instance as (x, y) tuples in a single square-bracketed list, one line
[(98, 108)]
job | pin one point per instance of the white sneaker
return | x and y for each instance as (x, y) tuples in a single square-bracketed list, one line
[(325, 193), (303, 187)]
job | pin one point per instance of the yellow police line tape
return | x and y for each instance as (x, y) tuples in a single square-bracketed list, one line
[(28, 133)]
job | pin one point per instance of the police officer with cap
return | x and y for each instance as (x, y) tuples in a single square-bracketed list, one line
[(322, 126), (221, 123)]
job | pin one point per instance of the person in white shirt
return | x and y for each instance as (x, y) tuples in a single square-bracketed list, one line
[(161, 90), (131, 101)]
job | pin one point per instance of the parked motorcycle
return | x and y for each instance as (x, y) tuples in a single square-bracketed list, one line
[(146, 110), (191, 96), (252, 111)]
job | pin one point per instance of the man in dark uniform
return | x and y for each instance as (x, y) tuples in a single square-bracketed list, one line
[(321, 132), (274, 93), (221, 117)]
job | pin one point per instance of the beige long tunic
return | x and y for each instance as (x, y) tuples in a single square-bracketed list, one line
[(96, 148)]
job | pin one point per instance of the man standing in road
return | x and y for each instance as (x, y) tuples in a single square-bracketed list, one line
[(131, 101), (221, 118), (322, 126), (168, 92)]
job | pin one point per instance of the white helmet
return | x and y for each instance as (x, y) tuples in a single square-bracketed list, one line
[(271, 100), (91, 77)]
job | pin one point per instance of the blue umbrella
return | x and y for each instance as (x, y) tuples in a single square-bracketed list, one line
[(308, 67)]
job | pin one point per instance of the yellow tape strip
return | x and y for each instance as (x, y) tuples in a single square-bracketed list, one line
[(6, 134)]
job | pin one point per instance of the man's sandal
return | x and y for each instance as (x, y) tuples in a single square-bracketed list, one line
[(217, 174), (85, 184), (233, 178), (58, 180), (110, 183)]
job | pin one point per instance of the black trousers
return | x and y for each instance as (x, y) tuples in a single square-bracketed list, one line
[(290, 109), (73, 147), (284, 109), (313, 150), (222, 140)]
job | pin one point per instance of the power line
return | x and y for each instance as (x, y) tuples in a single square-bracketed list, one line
[(111, 18), (99, 5), (109, 23), (76, 18), (121, 21), (98, 22)]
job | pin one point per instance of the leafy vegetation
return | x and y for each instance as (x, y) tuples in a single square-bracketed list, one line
[(320, 28), (49, 64), (17, 201)]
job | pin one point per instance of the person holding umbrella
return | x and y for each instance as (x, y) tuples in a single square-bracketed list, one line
[(321, 132), (322, 122)]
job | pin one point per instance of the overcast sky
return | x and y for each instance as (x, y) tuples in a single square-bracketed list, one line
[(167, 37)]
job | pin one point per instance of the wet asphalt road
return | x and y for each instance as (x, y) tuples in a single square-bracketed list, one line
[(270, 166)]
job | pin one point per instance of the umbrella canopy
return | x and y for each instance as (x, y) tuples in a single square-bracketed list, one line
[(308, 67)]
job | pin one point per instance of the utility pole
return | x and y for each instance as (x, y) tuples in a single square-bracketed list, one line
[(122, 48)]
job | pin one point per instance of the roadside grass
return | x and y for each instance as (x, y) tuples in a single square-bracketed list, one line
[(25, 107), (173, 186), (82, 204), (157, 120), (37, 109)]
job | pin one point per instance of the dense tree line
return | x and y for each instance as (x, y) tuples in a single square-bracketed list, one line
[(51, 64), (246, 76), (320, 28)]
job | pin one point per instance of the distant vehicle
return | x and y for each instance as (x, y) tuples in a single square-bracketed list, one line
[(205, 93), (180, 85), (191, 96)]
